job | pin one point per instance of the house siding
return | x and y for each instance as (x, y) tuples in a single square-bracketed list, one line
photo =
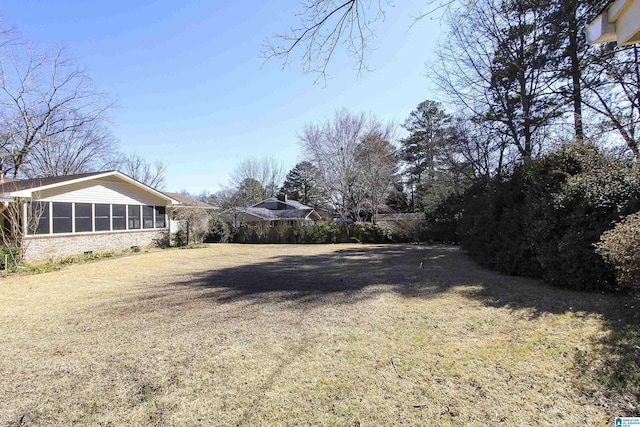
[(39, 248), (100, 191)]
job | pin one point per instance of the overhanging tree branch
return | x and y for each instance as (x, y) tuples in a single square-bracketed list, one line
[(324, 25)]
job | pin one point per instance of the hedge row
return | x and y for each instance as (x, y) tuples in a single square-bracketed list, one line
[(321, 232), (545, 219)]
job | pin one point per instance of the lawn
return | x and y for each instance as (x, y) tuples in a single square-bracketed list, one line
[(332, 335)]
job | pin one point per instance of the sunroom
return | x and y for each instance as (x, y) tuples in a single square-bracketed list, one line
[(102, 211)]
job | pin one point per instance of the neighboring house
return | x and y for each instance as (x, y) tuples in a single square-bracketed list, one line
[(402, 224), (272, 212), (400, 220), (619, 22), (68, 215), (184, 202)]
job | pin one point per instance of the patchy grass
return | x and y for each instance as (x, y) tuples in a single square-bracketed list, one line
[(55, 264), (310, 335)]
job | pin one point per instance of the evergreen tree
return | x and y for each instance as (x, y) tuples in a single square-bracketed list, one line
[(397, 200), (570, 52), (430, 130), (250, 192), (300, 184)]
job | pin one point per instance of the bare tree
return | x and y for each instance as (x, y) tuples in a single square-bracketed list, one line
[(86, 148), (12, 229), (325, 25), (478, 148), (151, 174), (268, 172), (194, 223), (332, 147), (614, 85), (230, 201), (494, 65), (8, 34), (223, 199), (378, 165), (43, 96)]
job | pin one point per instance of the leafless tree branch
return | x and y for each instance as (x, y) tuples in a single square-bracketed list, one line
[(324, 26)]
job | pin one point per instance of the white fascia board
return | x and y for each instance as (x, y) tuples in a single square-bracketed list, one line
[(620, 23), (601, 30), (25, 194), (616, 9), (138, 184), (628, 23), (28, 193), (310, 215)]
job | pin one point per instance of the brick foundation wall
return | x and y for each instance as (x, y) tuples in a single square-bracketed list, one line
[(46, 247)]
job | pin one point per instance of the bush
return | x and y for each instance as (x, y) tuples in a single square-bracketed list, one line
[(620, 247), (12, 256), (366, 232), (320, 232), (442, 222), (544, 219), (219, 231)]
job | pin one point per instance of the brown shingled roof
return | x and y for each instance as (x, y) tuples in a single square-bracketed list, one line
[(189, 201), (11, 184)]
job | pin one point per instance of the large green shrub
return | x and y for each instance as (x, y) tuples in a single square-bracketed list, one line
[(366, 232), (596, 191), (442, 222), (9, 257), (219, 231), (543, 219), (320, 232), (620, 247)]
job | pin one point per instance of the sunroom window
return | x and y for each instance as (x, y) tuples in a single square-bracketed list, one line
[(84, 217), (134, 217), (119, 219), (62, 214), (160, 216), (103, 217), (39, 218), (147, 216)]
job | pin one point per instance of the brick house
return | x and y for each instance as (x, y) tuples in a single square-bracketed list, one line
[(69, 215), (272, 212)]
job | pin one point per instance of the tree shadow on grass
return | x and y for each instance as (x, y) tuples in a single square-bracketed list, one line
[(350, 275), (341, 276)]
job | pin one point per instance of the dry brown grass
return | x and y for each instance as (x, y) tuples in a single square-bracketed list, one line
[(307, 335)]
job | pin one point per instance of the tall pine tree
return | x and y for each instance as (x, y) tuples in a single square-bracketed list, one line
[(300, 184), (430, 130)]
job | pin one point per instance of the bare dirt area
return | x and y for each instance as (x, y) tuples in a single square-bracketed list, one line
[(288, 335)]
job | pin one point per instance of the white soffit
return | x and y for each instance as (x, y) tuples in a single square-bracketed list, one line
[(620, 22)]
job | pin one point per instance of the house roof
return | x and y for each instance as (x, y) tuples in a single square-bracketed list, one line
[(282, 214), (400, 216), (26, 187), (294, 210), (292, 203), (11, 185), (189, 201)]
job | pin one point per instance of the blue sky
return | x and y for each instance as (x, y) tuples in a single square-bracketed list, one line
[(193, 91)]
